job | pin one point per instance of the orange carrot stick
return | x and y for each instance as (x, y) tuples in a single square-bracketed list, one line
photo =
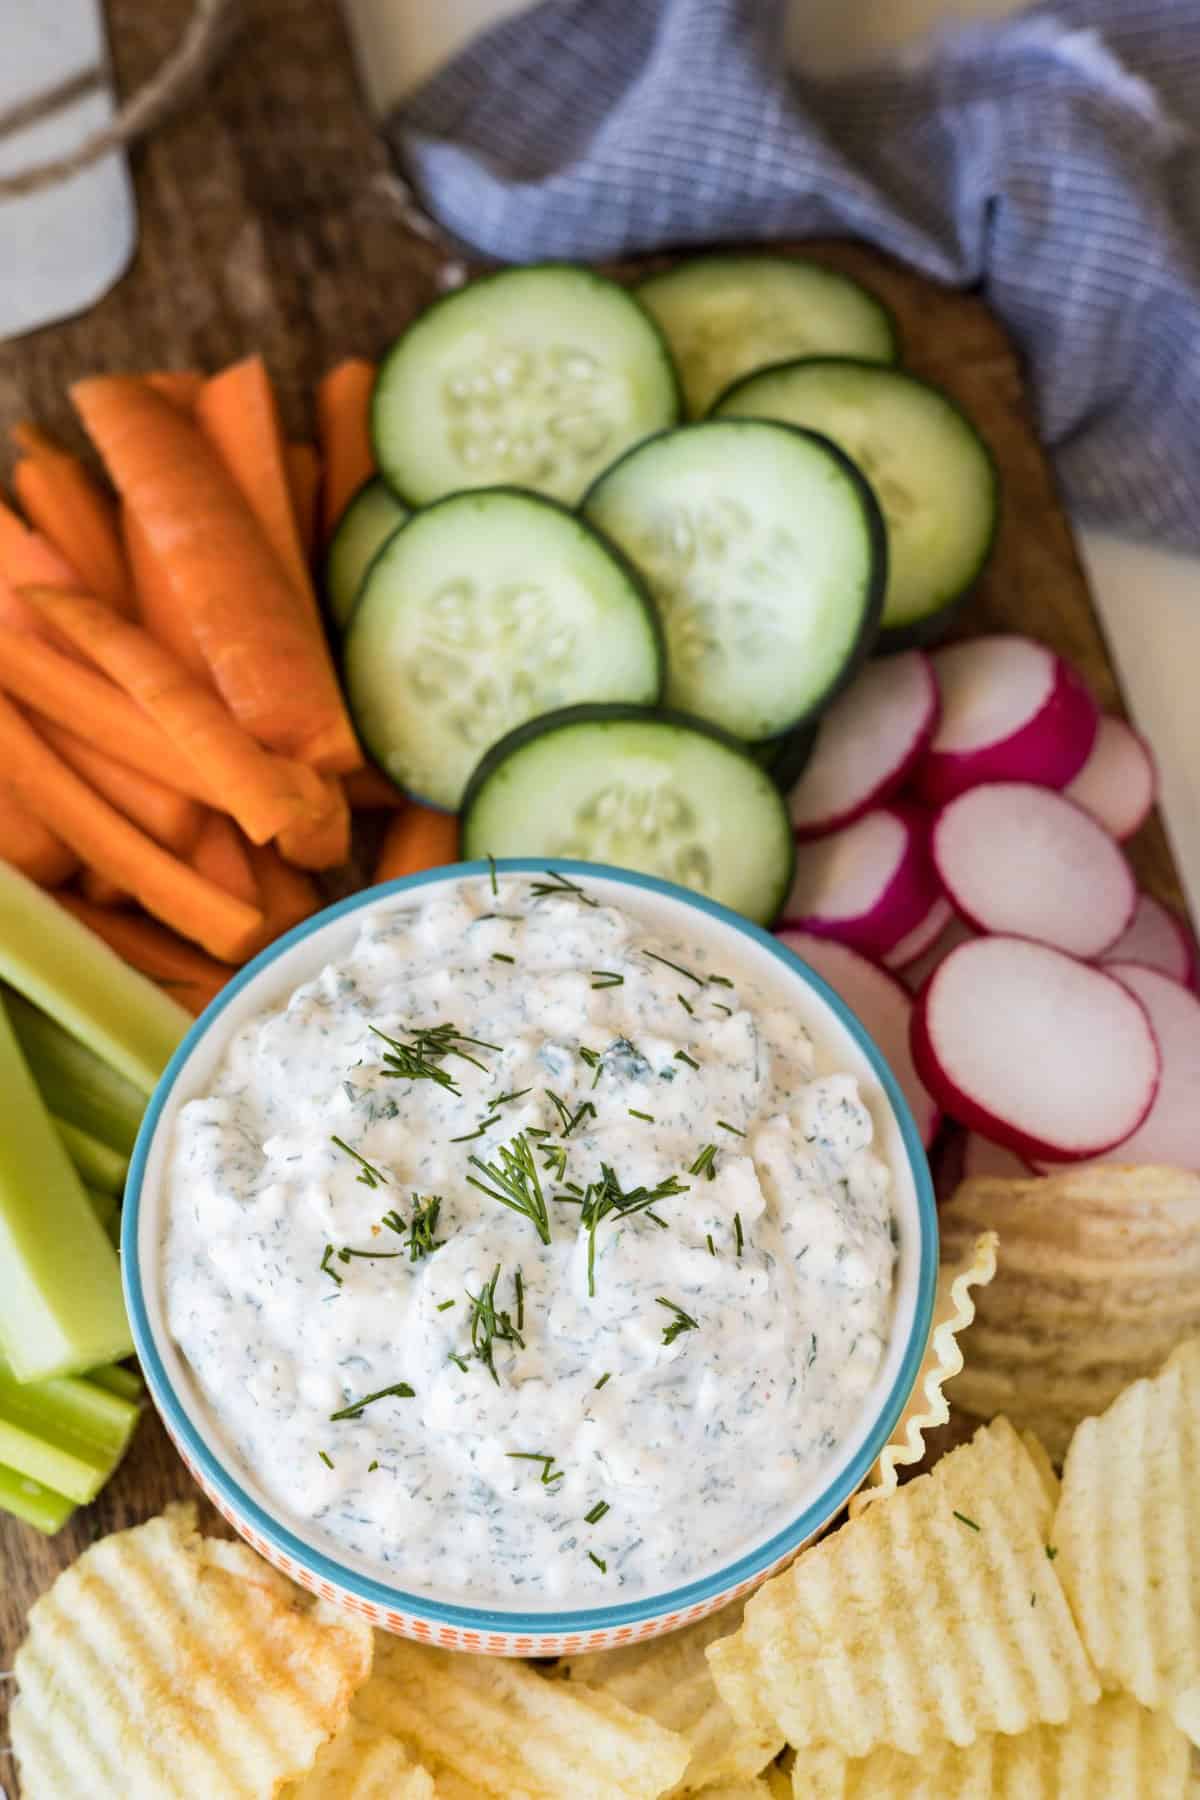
[(103, 838), (264, 793), (322, 842), (286, 895), (169, 817), (238, 414), (26, 556), (344, 429), (93, 708), (31, 846), (80, 521), (417, 838), (369, 790), (264, 652), (101, 891), (180, 386), (304, 480), (187, 974), (219, 854), (157, 607)]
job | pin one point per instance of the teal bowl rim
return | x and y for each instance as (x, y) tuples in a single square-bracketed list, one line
[(381, 1594)]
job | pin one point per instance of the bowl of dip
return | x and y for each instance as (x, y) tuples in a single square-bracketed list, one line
[(531, 1260)]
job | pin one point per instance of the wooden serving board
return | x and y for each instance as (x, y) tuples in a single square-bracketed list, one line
[(267, 223)]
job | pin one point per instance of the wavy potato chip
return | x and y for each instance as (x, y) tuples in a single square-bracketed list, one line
[(514, 1733), (361, 1763), (1099, 1279), (934, 1615), (1127, 1532), (953, 1310), (164, 1665), (669, 1680), (1115, 1750)]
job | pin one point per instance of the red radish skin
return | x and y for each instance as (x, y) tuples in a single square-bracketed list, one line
[(869, 741), (883, 1009), (982, 1157), (917, 973), (922, 937), (1170, 1132), (1023, 860), (1118, 784), (869, 884), (1158, 938), (1011, 711), (1051, 1057)]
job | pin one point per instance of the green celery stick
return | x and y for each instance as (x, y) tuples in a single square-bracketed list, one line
[(64, 968), (98, 1166), (34, 1504), (61, 1310), (105, 1206), (73, 1080), (126, 1383), (68, 1434)]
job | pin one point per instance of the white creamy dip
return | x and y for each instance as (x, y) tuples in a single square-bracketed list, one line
[(546, 1444)]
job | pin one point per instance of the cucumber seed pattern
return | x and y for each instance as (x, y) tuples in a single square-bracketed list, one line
[(535, 417)]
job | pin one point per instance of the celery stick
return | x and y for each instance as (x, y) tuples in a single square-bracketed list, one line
[(68, 1434), (64, 968), (61, 1310), (105, 1206), (126, 1383), (36, 1505), (74, 1082), (98, 1165)]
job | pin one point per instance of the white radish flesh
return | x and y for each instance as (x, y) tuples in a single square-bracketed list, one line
[(1170, 1132), (916, 974), (1049, 1056), (1011, 711), (867, 885), (1021, 859), (1118, 782), (881, 1006), (1158, 938), (922, 937), (982, 1157), (868, 742)]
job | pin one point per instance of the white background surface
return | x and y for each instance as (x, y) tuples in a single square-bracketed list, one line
[(1149, 601)]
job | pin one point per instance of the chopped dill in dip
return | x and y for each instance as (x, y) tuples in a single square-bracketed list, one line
[(589, 1282)]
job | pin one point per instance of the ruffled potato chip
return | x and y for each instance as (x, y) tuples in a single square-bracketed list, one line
[(361, 1763)]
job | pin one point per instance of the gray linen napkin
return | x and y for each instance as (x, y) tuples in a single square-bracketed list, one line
[(1052, 159)]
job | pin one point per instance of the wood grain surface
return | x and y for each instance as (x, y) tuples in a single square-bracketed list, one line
[(267, 223)]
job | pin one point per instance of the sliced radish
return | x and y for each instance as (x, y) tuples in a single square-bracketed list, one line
[(982, 1157), (869, 884), (916, 974), (1011, 711), (868, 742), (1051, 1057), (1158, 938), (1021, 859), (1170, 1132), (1118, 782), (882, 1008), (922, 937)]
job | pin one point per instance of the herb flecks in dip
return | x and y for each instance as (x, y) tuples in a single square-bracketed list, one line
[(526, 1254)]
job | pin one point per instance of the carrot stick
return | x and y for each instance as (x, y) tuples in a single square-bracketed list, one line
[(63, 502), (304, 480), (100, 836), (238, 414), (261, 645), (180, 386), (101, 891), (31, 846), (417, 838), (169, 817), (369, 790), (26, 556), (16, 613), (286, 896), (323, 842), (219, 855), (95, 709), (264, 793), (155, 598), (343, 427), (187, 974)]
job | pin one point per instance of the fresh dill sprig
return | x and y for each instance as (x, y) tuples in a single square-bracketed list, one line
[(394, 1222), (368, 1174), (606, 978), (712, 1248), (592, 1058), (635, 1114), (607, 1376), (354, 1410), (678, 968), (325, 1268), (491, 862), (445, 1305), (724, 1125), (490, 1326), (706, 1162), (513, 1180), (597, 1513), (519, 1290), (325, 1458), (606, 1196), (422, 1057), (686, 1005), (738, 1239), (719, 981), (347, 1251), (569, 1119), (458, 1360), (599, 1562), (683, 1057), (421, 1241), (559, 884), (483, 1125), (554, 1160), (681, 1322), (499, 956), (549, 1473), (516, 1094)]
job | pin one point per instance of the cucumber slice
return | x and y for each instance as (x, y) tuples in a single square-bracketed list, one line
[(483, 611), (932, 473), (365, 526), (538, 377), (764, 552), (725, 315), (646, 790)]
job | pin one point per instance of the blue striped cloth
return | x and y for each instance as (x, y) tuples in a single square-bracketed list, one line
[(1052, 159)]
